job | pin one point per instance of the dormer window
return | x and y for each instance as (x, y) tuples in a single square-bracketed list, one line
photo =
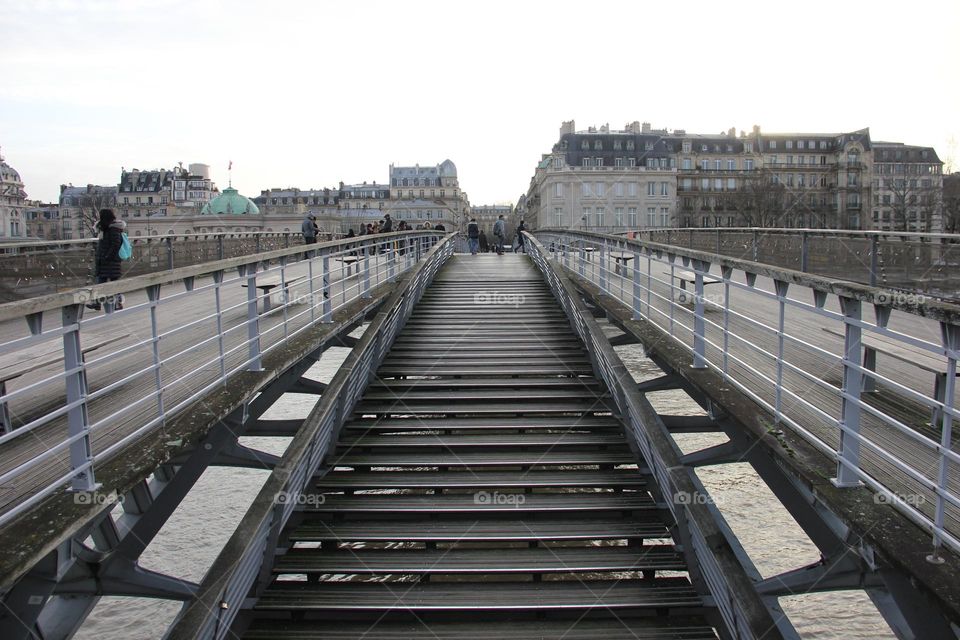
[(597, 145), (629, 145), (585, 145)]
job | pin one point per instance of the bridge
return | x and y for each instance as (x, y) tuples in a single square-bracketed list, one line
[(483, 462)]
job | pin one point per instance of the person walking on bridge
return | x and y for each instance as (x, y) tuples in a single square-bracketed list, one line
[(499, 229), (309, 229), (520, 229), (108, 252), (473, 236)]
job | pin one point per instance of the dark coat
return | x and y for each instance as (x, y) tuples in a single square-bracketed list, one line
[(108, 252)]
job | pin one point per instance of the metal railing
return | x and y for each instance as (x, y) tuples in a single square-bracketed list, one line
[(903, 260), (244, 566), (779, 337), (734, 594), (178, 335), (35, 268)]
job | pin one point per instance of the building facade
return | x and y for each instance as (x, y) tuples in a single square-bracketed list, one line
[(79, 209), (908, 193), (427, 194), (616, 181), (12, 203), (161, 201), (42, 220)]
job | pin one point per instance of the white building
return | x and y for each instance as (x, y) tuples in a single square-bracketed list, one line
[(12, 203)]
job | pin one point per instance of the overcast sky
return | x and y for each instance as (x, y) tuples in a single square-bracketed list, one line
[(309, 94)]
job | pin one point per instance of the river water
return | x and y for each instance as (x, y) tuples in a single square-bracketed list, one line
[(191, 539)]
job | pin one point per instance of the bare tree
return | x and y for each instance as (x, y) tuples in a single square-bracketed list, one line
[(760, 200), (912, 202), (951, 203), (88, 205)]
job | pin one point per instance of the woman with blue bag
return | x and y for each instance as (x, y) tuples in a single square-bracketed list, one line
[(109, 245)]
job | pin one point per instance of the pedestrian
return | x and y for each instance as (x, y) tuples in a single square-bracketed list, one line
[(484, 245), (108, 252), (498, 230), (520, 229), (309, 229), (386, 225), (363, 230), (473, 236)]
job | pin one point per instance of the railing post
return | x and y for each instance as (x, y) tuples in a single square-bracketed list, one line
[(874, 259), (253, 317), (781, 289), (327, 315), (804, 251), (366, 269), (849, 450), (169, 242), (583, 258), (220, 246), (756, 248), (699, 326), (391, 262), (78, 419), (602, 265), (256, 242), (218, 282), (717, 251), (950, 335), (153, 295), (636, 284)]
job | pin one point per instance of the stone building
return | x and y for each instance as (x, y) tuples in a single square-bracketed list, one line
[(427, 194), (12, 203), (908, 193), (42, 220), (160, 201), (615, 181)]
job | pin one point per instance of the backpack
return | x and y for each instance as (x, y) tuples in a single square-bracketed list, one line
[(126, 249)]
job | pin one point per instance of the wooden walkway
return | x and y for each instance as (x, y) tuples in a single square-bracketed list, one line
[(482, 478), (809, 328)]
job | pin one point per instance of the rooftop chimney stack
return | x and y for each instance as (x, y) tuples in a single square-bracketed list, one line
[(645, 128)]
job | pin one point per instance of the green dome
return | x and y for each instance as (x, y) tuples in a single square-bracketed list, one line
[(230, 202)]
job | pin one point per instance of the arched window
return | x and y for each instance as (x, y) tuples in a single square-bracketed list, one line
[(137, 233)]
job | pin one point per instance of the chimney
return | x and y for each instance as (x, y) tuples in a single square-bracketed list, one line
[(645, 127), (756, 129), (567, 126), (732, 133)]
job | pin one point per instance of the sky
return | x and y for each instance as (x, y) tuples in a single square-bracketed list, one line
[(309, 94)]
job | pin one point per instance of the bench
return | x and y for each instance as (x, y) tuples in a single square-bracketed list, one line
[(34, 362), (270, 283), (348, 262), (620, 257), (873, 344), (685, 276)]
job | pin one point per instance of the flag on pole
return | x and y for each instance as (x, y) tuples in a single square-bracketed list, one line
[(230, 168)]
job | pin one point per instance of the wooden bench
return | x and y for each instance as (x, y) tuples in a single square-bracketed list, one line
[(51, 354), (873, 344), (620, 257), (685, 276), (348, 262), (270, 283)]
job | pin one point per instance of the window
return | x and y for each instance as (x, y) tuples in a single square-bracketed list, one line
[(772, 144), (748, 147), (599, 216), (748, 165), (731, 164), (632, 189), (618, 216), (632, 162), (558, 190), (651, 188), (597, 145), (586, 217), (648, 145), (586, 162), (584, 189), (651, 216), (789, 144), (685, 164), (619, 162), (789, 159), (600, 189), (617, 145), (731, 184), (664, 188), (704, 165), (585, 145), (664, 217), (716, 165), (686, 146), (632, 217), (705, 184), (618, 189), (557, 162), (718, 184), (629, 145), (799, 144)]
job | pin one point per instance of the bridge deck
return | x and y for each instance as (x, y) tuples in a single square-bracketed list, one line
[(463, 491)]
